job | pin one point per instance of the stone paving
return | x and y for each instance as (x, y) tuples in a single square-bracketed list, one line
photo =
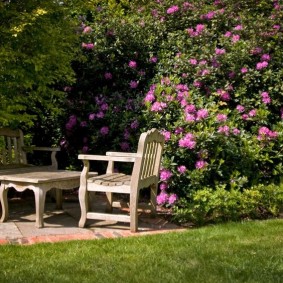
[(62, 225)]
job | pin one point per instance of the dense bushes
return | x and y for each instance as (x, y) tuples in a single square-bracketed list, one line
[(208, 75)]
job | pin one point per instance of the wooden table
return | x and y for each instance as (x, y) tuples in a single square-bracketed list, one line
[(39, 181)]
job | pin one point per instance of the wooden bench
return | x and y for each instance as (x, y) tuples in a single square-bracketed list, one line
[(145, 174)]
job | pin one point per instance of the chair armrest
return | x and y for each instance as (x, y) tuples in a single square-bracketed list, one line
[(107, 158), (122, 154), (39, 148), (53, 150)]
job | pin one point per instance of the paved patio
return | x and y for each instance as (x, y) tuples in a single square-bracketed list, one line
[(62, 225)]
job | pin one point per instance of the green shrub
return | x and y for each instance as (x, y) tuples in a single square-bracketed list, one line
[(219, 205)]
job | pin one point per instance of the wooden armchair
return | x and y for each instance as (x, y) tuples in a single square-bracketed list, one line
[(13, 152), (145, 174)]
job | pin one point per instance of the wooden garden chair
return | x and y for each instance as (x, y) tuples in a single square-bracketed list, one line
[(145, 174)]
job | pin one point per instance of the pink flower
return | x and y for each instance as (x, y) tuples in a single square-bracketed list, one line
[(87, 29), (238, 27), (224, 95), (100, 115), (210, 15), (202, 62), (158, 106), (266, 134), (252, 113), (236, 131), (265, 57), (190, 108), (88, 46), (108, 76), (167, 135), (235, 38), (104, 131), (91, 116), (197, 84), (190, 117), (165, 174), (172, 199), (261, 65), (187, 141), (173, 9), (163, 186), (180, 130), (224, 130), (181, 169), (256, 50), (200, 164), (193, 61), (135, 124), (205, 72), (132, 64), (201, 114), (200, 28), (245, 116), (244, 70), (153, 59), (240, 108), (265, 97), (162, 198), (220, 51), (134, 84), (149, 97), (125, 146), (221, 117), (228, 34)]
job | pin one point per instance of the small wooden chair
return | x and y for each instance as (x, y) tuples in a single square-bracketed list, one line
[(145, 174)]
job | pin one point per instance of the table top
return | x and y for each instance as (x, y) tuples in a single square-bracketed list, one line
[(39, 176)]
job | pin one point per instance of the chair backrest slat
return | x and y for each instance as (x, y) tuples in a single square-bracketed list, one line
[(150, 149), (11, 147)]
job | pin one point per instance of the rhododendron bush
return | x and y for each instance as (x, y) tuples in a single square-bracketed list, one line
[(207, 74)]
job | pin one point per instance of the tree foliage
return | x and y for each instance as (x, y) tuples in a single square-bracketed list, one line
[(37, 46)]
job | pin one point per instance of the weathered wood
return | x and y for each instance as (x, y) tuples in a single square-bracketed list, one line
[(40, 182), (13, 151), (145, 174)]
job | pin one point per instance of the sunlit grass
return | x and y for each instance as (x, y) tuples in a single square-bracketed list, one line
[(234, 252)]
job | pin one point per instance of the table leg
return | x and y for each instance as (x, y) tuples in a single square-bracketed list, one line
[(4, 203), (39, 195), (59, 198)]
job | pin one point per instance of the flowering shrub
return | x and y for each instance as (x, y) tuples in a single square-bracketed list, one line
[(216, 96), (208, 75)]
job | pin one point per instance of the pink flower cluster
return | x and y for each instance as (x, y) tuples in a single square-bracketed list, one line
[(201, 164), (88, 46), (197, 31), (165, 174), (173, 9), (164, 197), (265, 134), (188, 141), (265, 97), (133, 64)]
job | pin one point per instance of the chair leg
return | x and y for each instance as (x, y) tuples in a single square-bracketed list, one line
[(153, 195), (109, 197), (134, 197), (84, 203)]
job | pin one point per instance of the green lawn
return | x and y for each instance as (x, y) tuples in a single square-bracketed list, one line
[(234, 252)]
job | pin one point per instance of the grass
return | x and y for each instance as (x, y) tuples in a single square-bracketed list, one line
[(234, 252)]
